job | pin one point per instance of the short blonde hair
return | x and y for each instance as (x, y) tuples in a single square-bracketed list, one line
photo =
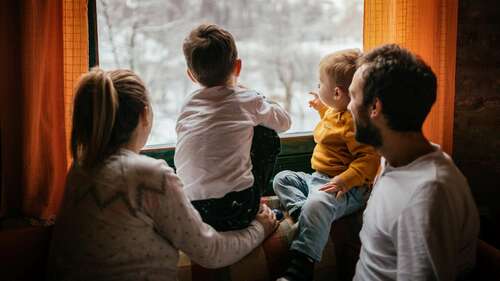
[(339, 67)]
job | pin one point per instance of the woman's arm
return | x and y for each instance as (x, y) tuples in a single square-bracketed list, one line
[(177, 221)]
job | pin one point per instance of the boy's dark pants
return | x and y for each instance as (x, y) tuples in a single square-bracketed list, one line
[(236, 210)]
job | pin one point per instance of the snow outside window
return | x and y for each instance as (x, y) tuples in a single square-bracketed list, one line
[(279, 41)]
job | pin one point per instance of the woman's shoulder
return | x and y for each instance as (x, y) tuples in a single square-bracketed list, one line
[(143, 164), (146, 173)]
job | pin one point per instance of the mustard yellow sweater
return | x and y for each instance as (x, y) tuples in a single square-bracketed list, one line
[(338, 153)]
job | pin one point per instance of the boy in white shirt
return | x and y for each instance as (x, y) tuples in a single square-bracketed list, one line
[(215, 130)]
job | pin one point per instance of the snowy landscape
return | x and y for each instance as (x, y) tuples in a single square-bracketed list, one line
[(279, 41)]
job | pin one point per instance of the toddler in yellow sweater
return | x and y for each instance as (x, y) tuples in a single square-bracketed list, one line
[(344, 168)]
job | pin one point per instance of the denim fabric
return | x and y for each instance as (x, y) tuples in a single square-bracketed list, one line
[(318, 209), (236, 210)]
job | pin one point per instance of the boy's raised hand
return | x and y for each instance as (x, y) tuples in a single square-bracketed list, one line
[(316, 102)]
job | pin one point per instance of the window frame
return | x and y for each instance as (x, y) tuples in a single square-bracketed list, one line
[(296, 147), (93, 34)]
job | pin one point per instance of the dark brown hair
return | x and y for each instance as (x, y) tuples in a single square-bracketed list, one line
[(210, 54), (403, 82), (106, 111)]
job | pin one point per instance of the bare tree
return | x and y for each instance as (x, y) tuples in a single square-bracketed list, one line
[(109, 25), (286, 75), (280, 41), (131, 58)]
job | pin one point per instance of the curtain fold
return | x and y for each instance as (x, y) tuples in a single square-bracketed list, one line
[(43, 144), (52, 53), (428, 28)]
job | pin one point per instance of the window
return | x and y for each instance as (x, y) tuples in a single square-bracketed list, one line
[(279, 41)]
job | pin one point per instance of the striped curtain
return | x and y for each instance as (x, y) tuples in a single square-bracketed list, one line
[(47, 51), (429, 29)]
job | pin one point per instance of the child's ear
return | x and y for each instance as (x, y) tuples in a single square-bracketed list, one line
[(341, 92), (146, 117), (337, 92), (191, 76), (237, 67)]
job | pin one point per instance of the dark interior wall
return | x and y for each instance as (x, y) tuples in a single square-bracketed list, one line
[(10, 105), (476, 147)]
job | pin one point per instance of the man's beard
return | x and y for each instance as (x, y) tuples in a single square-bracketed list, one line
[(367, 133)]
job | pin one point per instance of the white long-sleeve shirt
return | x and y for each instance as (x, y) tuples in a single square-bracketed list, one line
[(214, 138), (421, 223), (128, 221)]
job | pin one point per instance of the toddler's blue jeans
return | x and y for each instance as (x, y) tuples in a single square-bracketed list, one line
[(318, 209)]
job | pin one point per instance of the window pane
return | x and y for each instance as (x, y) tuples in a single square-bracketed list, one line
[(279, 41)]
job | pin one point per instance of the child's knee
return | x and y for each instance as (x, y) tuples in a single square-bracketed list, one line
[(316, 203), (282, 179)]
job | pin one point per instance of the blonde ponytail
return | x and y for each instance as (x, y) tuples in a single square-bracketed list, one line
[(99, 128), (103, 112)]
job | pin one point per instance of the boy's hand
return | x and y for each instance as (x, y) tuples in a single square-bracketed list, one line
[(336, 185), (316, 102)]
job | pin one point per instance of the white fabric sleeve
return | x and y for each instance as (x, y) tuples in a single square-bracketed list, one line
[(176, 220), (271, 115), (425, 235)]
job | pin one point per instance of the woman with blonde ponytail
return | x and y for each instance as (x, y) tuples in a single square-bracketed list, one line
[(124, 215)]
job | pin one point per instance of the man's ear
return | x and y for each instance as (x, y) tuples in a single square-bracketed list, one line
[(376, 109), (191, 76), (237, 67)]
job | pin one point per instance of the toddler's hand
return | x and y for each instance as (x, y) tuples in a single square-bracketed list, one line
[(316, 102), (267, 218), (336, 185)]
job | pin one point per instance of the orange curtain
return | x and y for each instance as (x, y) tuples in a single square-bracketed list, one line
[(428, 28), (76, 55), (52, 41)]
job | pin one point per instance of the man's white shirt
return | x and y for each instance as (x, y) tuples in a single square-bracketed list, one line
[(421, 223)]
